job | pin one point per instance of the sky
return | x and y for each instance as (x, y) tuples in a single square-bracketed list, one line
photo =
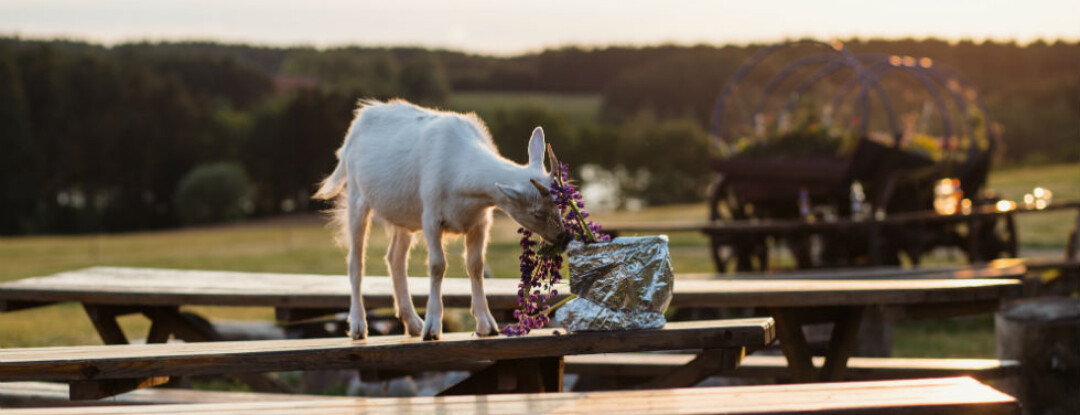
[(510, 27)]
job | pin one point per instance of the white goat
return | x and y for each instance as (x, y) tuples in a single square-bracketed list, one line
[(439, 172)]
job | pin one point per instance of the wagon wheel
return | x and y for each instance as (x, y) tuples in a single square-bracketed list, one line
[(744, 249)]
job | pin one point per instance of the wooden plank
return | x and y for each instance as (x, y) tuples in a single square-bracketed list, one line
[(154, 287), (134, 361), (42, 394), (97, 389), (648, 365), (924, 396)]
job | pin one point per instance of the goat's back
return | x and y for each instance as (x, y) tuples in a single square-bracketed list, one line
[(396, 152)]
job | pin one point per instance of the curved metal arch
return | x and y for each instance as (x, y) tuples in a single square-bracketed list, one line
[(729, 87), (782, 76), (884, 66), (952, 74), (882, 94)]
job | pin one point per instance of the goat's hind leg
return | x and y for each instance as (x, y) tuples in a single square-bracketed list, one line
[(397, 260), (358, 222)]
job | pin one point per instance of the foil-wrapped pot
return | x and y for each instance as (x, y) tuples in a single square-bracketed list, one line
[(624, 284)]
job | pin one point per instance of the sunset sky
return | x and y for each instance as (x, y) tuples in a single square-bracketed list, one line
[(509, 27)]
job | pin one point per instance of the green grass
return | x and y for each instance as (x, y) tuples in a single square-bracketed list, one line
[(1041, 230), (303, 244), (579, 108)]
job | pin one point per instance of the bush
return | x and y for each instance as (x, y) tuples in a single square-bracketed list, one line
[(212, 193)]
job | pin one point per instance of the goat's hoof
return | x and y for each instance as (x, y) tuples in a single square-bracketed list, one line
[(486, 326), (432, 331), (414, 326), (357, 331)]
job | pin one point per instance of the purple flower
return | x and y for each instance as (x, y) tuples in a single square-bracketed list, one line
[(540, 270)]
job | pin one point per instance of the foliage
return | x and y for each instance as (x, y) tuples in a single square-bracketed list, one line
[(213, 193), (809, 140)]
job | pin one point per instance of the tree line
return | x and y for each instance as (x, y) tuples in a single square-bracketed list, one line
[(152, 135)]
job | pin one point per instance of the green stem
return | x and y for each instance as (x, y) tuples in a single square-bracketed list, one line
[(573, 203), (560, 304)]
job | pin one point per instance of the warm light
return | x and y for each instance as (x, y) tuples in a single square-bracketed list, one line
[(1005, 205), (947, 195), (909, 61), (965, 206), (894, 60), (1029, 201), (1042, 197), (838, 45), (926, 62)]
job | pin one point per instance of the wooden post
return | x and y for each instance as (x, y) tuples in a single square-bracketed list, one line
[(1044, 335)]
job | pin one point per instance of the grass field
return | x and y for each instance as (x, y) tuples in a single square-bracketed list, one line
[(303, 244)]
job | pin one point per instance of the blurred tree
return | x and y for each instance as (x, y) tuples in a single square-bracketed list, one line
[(213, 193), (18, 169), (423, 81)]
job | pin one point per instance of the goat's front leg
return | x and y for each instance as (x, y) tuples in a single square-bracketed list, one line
[(433, 234), (475, 245), (397, 260), (359, 219)]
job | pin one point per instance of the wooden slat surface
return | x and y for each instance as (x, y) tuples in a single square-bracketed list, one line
[(780, 226), (145, 286), (1010, 268), (923, 396), (646, 365), (184, 359), (25, 394)]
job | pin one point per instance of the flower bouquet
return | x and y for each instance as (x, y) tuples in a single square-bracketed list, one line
[(620, 284)]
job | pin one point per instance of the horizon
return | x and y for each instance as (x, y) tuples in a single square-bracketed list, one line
[(477, 27)]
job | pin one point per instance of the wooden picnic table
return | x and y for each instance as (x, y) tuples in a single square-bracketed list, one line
[(532, 363), (730, 232), (158, 293)]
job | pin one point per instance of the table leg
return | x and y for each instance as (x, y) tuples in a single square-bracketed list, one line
[(789, 323), (793, 343), (841, 344), (543, 374), (165, 322), (708, 363), (104, 320)]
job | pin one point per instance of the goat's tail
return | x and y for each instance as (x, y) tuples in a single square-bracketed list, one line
[(333, 184)]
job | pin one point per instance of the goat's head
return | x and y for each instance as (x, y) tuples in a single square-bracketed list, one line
[(529, 203)]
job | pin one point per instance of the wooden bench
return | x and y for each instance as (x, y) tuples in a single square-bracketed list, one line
[(532, 363), (34, 394), (923, 396), (644, 365)]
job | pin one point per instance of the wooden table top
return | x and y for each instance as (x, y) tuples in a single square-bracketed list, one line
[(165, 287), (943, 395), (183, 359), (771, 226)]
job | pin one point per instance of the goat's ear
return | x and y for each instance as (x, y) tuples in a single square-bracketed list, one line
[(537, 147), (509, 191)]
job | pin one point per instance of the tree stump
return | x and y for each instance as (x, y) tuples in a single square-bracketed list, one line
[(1044, 336)]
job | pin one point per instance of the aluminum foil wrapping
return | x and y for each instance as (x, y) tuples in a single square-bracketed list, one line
[(624, 284)]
